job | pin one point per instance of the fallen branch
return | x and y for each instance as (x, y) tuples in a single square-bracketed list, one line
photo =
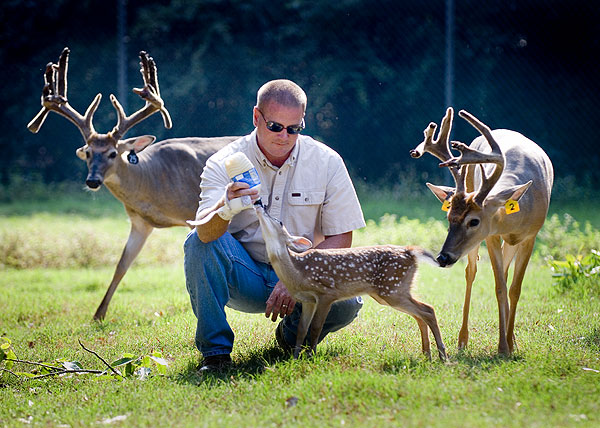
[(12, 373), (34, 364), (65, 371), (101, 359)]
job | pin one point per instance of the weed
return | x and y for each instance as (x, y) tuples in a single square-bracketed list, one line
[(580, 273)]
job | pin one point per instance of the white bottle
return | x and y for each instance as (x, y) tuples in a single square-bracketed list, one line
[(239, 168)]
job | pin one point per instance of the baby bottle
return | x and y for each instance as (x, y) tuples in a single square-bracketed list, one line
[(239, 168)]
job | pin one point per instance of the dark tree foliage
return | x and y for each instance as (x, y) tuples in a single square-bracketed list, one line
[(374, 72)]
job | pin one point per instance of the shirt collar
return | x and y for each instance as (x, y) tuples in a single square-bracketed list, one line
[(262, 159)]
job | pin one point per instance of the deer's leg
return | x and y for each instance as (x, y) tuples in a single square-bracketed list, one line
[(140, 230), (495, 251), (425, 344), (427, 313), (321, 312), (470, 272), (308, 311), (508, 254), (419, 310), (521, 262)]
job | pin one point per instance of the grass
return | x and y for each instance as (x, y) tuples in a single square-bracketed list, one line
[(369, 374)]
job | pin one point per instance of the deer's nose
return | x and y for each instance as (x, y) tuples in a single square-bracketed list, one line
[(93, 183), (443, 259)]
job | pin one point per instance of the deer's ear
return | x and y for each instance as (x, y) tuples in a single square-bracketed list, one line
[(441, 192), (511, 193), (80, 152), (299, 244), (137, 144)]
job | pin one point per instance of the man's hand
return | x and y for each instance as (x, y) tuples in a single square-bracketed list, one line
[(238, 197), (280, 302)]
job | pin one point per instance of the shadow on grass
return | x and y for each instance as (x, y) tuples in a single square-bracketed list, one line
[(481, 361), (592, 340), (248, 366)]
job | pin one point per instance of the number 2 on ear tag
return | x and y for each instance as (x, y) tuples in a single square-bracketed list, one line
[(446, 205), (132, 157), (511, 206)]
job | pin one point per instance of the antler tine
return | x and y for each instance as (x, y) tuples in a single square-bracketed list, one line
[(440, 148), (472, 156), (144, 67), (150, 67), (54, 98), (149, 93), (460, 176), (63, 66), (153, 81), (36, 123)]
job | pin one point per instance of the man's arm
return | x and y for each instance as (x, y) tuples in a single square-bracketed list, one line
[(343, 240), (211, 226)]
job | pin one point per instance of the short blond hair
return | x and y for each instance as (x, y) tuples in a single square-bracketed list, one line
[(281, 91)]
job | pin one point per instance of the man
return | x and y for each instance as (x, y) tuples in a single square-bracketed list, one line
[(304, 184)]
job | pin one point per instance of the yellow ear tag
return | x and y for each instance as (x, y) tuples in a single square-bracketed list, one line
[(511, 206), (446, 205)]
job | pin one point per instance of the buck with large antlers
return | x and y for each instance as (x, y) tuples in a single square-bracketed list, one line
[(318, 278), (514, 183), (159, 188)]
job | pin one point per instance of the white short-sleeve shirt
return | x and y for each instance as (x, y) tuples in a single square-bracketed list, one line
[(311, 193)]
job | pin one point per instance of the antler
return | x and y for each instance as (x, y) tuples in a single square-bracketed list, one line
[(472, 156), (440, 148), (150, 93), (54, 98)]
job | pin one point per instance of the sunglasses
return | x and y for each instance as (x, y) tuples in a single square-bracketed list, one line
[(278, 127)]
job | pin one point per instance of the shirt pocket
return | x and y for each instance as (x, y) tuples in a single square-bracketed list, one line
[(304, 212), (305, 197)]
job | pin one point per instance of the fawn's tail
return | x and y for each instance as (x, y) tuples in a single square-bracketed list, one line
[(424, 256)]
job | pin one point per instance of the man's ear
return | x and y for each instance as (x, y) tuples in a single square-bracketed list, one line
[(511, 193), (299, 244), (441, 192), (137, 144)]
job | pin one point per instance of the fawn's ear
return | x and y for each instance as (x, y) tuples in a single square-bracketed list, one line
[(299, 244)]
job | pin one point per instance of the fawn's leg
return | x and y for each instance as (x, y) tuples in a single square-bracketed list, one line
[(308, 311), (425, 344), (321, 312)]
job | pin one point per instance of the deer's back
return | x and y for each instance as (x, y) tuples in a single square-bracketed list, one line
[(344, 273), (166, 188), (524, 161)]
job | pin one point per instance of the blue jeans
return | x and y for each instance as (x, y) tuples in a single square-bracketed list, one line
[(221, 273)]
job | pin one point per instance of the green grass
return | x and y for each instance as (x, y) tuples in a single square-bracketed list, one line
[(369, 374)]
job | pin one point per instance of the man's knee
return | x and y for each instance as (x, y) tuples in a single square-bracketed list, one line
[(348, 309), (195, 250)]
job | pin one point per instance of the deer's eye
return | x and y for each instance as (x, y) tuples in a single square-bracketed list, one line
[(112, 155), (474, 222)]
